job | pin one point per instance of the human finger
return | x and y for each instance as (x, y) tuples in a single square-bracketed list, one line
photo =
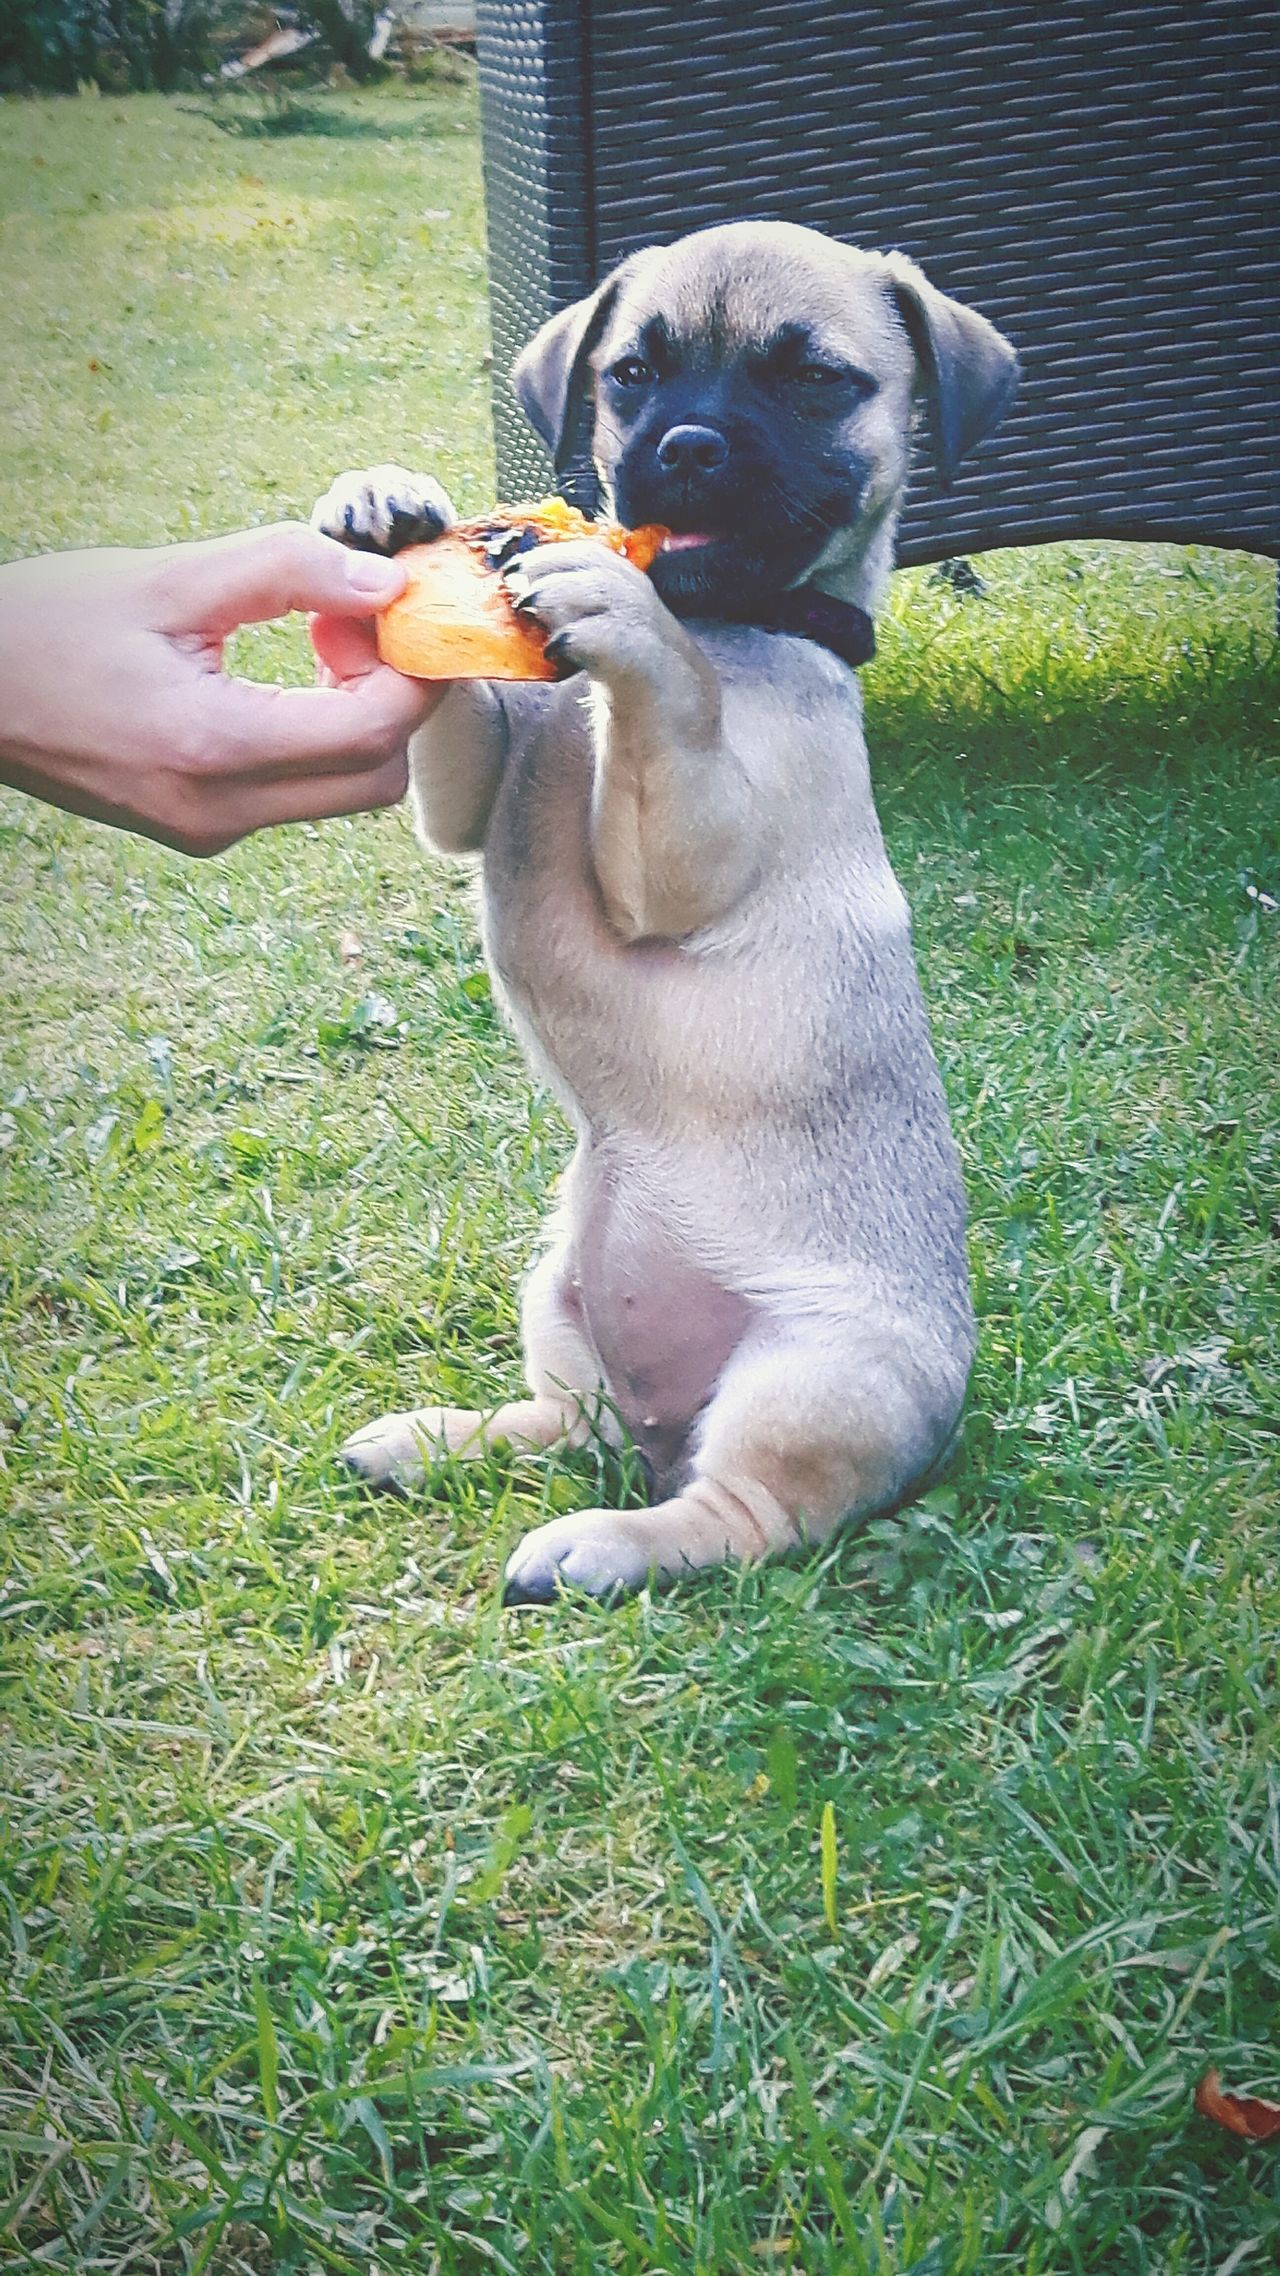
[(346, 646), (209, 824), (323, 796), (262, 731)]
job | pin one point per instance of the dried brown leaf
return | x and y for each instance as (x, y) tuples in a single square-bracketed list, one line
[(1248, 2115)]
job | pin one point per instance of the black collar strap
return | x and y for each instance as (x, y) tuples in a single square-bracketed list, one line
[(812, 615)]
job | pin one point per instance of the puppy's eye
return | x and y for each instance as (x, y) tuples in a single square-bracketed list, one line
[(631, 371), (819, 378)]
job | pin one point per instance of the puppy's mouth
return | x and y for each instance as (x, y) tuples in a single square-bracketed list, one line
[(715, 571)]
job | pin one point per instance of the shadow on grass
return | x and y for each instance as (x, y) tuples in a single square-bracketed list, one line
[(1180, 719), (279, 117)]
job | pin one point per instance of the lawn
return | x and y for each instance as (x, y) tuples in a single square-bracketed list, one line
[(872, 1914)]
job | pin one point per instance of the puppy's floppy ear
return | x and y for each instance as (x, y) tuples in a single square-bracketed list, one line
[(968, 370), (551, 377)]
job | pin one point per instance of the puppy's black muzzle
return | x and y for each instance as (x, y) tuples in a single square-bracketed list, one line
[(689, 474), (759, 538), (765, 495)]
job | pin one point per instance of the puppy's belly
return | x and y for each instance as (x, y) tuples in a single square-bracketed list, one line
[(662, 1326)]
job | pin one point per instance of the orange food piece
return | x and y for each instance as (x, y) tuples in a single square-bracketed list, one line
[(454, 620)]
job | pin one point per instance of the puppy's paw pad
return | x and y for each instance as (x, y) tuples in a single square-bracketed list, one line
[(381, 509), (588, 1552)]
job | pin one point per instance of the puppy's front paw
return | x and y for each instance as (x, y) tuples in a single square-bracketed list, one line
[(602, 613), (381, 509), (595, 1550)]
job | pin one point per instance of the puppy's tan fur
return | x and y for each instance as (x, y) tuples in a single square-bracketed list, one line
[(758, 1264)]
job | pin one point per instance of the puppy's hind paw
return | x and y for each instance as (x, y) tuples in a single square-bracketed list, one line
[(394, 1452), (381, 509), (387, 1453), (398, 1451), (595, 1551)]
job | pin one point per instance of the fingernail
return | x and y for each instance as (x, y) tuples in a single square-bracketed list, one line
[(370, 573)]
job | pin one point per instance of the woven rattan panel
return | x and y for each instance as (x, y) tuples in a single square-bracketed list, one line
[(541, 237), (1101, 180)]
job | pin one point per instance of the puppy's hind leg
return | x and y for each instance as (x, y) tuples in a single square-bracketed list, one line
[(798, 1436), (567, 1403)]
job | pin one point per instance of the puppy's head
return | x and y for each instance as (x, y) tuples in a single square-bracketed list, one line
[(753, 387)]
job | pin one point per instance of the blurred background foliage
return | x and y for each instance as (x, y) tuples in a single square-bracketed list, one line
[(57, 46)]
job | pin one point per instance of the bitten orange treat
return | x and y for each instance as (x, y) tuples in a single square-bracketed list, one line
[(454, 620)]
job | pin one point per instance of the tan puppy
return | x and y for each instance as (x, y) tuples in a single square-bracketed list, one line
[(758, 1266)]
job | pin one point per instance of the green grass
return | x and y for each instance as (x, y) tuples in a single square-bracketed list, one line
[(871, 1914)]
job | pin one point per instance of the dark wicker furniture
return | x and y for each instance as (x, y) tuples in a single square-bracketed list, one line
[(1101, 180)]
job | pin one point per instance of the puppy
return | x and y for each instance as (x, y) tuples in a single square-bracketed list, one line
[(757, 1269)]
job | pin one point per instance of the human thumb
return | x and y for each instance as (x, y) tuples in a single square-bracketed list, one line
[(213, 587)]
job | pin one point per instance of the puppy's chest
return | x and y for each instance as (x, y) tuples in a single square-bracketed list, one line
[(758, 1024), (616, 1025), (545, 929)]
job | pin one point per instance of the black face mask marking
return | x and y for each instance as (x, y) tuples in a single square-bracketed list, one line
[(748, 461)]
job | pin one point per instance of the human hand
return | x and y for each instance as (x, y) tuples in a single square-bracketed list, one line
[(114, 702)]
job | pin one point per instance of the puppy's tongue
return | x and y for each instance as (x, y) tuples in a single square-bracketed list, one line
[(683, 541)]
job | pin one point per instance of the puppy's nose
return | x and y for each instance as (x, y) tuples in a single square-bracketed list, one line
[(691, 449)]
